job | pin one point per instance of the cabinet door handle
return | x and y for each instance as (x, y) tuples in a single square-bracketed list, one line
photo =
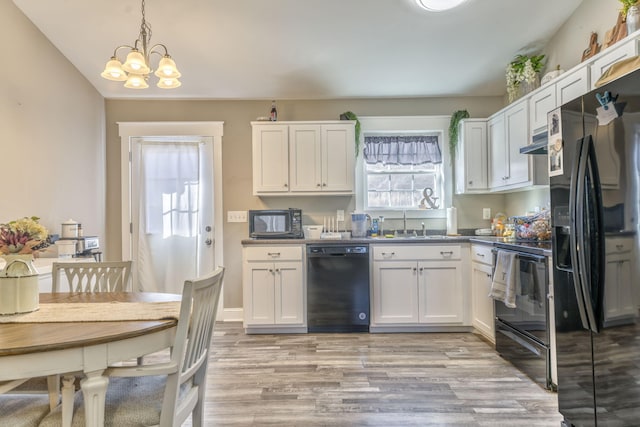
[(421, 269), (286, 185), (277, 270), (271, 270), (324, 184), (446, 253), (318, 185), (488, 275), (388, 253), (415, 269), (619, 247), (273, 254), (470, 182), (479, 254)]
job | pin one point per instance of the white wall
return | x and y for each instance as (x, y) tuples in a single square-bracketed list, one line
[(52, 144), (566, 46)]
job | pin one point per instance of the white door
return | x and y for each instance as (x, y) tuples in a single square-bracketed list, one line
[(172, 210), (171, 201)]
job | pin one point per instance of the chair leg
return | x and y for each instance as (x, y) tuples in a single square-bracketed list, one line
[(68, 392), (53, 386)]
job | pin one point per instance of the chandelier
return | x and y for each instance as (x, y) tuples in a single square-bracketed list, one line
[(137, 67)]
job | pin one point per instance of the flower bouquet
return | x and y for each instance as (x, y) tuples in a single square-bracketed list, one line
[(22, 236), (523, 70), (19, 240)]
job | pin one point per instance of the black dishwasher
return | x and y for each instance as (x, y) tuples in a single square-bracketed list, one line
[(337, 288)]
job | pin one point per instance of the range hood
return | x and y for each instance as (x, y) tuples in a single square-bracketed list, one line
[(538, 145)]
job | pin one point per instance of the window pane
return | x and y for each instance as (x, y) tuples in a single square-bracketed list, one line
[(402, 199), (378, 199), (425, 180), (402, 182), (378, 182)]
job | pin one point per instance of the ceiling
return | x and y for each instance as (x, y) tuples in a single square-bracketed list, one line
[(299, 49)]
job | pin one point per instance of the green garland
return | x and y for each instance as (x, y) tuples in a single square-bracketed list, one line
[(453, 131), (349, 115)]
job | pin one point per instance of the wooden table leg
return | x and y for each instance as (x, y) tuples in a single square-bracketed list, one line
[(94, 390)]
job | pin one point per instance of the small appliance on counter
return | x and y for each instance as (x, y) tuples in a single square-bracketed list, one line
[(276, 224)]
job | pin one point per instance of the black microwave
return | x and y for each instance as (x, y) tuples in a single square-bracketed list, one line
[(276, 224)]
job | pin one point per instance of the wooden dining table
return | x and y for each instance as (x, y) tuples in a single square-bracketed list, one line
[(42, 348)]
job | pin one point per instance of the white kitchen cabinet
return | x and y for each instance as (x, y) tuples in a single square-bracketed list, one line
[(558, 92), (303, 158), (418, 285), (270, 159), (273, 287), (571, 85), (619, 298), (482, 311), (322, 158), (540, 103), (472, 157), (508, 131), (617, 52)]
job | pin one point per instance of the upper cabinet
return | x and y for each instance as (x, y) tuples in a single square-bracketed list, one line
[(303, 158), (619, 51), (508, 132), (471, 157)]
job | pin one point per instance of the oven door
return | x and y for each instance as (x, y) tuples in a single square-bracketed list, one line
[(527, 354), (531, 314)]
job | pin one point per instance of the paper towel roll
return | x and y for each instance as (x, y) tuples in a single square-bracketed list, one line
[(452, 220)]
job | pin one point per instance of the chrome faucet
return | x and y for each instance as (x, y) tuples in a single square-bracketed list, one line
[(404, 217)]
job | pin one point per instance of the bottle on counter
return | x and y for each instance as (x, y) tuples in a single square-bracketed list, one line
[(274, 112)]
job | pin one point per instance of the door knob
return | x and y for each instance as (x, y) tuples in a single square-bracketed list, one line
[(208, 242)]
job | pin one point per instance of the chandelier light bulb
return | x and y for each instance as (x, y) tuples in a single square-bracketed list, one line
[(168, 83), (136, 81), (136, 63), (113, 70), (167, 68)]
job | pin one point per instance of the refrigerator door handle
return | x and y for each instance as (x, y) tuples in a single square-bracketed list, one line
[(582, 207), (596, 242), (573, 239)]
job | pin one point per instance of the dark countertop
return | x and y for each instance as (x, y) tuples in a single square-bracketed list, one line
[(540, 248)]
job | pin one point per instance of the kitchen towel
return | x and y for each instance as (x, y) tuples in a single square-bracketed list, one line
[(503, 285), (452, 221)]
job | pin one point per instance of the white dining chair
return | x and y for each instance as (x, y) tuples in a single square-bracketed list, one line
[(107, 276), (20, 409), (164, 394)]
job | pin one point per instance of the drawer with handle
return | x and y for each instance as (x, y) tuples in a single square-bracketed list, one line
[(416, 252), (273, 253), (482, 254)]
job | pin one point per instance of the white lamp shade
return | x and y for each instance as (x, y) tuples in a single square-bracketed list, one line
[(136, 81), (113, 71), (168, 83), (167, 68), (136, 63)]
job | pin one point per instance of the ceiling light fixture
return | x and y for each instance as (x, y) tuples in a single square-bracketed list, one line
[(439, 5), (137, 67)]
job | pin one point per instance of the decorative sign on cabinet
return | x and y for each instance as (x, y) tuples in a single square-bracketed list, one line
[(303, 158)]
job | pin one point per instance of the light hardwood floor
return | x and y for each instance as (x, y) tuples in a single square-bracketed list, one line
[(435, 379)]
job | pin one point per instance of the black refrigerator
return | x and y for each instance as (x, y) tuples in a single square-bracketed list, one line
[(594, 168)]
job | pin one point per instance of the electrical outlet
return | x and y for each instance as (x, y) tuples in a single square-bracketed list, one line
[(486, 213), (236, 216), (340, 215)]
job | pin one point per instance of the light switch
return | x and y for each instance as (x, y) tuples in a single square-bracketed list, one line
[(340, 215), (486, 213), (236, 216)]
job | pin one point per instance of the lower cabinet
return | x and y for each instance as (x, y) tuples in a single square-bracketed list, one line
[(482, 312), (619, 298), (273, 287), (417, 285)]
